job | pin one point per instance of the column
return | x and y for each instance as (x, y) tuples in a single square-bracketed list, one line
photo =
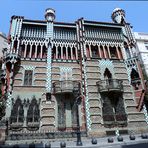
[(66, 52), (76, 53), (41, 55), (36, 46), (11, 77), (108, 51), (130, 50), (17, 48), (56, 52), (90, 51), (71, 50), (30, 50), (62, 52), (104, 51), (99, 51), (25, 50), (118, 52), (11, 46)]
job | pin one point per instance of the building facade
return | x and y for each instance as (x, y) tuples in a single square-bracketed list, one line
[(3, 43), (60, 77), (142, 46)]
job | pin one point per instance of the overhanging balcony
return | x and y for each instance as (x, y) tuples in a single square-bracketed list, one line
[(110, 85), (11, 57), (66, 86)]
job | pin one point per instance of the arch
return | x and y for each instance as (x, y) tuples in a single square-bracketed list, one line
[(107, 74), (134, 75), (17, 112)]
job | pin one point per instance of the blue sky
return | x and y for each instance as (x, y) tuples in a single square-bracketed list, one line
[(70, 11)]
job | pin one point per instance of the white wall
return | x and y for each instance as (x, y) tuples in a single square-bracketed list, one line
[(141, 39)]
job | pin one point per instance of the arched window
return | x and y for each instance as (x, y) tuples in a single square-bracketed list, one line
[(134, 74), (33, 113), (107, 78), (17, 112), (135, 79), (107, 74)]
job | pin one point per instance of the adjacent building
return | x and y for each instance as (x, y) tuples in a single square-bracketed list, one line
[(142, 46), (3, 43), (61, 77)]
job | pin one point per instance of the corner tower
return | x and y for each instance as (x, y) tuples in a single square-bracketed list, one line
[(118, 16)]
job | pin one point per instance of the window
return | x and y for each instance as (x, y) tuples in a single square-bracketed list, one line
[(114, 111), (146, 45), (17, 112), (28, 77), (33, 113)]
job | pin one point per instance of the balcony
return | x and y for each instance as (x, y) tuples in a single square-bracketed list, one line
[(12, 57), (67, 86), (16, 122), (115, 120), (110, 85)]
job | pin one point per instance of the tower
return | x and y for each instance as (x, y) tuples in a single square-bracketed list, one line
[(132, 62), (118, 16), (49, 16)]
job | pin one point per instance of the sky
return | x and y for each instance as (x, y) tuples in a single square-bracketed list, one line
[(70, 11)]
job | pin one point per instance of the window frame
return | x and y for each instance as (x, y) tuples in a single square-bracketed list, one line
[(28, 78)]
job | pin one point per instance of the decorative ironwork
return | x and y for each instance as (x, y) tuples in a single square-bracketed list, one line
[(110, 85), (115, 120), (20, 135), (66, 86)]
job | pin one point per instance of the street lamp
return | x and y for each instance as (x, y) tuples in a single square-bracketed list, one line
[(77, 102)]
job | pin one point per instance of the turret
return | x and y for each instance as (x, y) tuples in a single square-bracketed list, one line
[(50, 14), (118, 16)]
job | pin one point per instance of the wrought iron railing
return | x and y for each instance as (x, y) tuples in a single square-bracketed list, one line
[(16, 122), (115, 120), (110, 85), (66, 86), (27, 135)]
